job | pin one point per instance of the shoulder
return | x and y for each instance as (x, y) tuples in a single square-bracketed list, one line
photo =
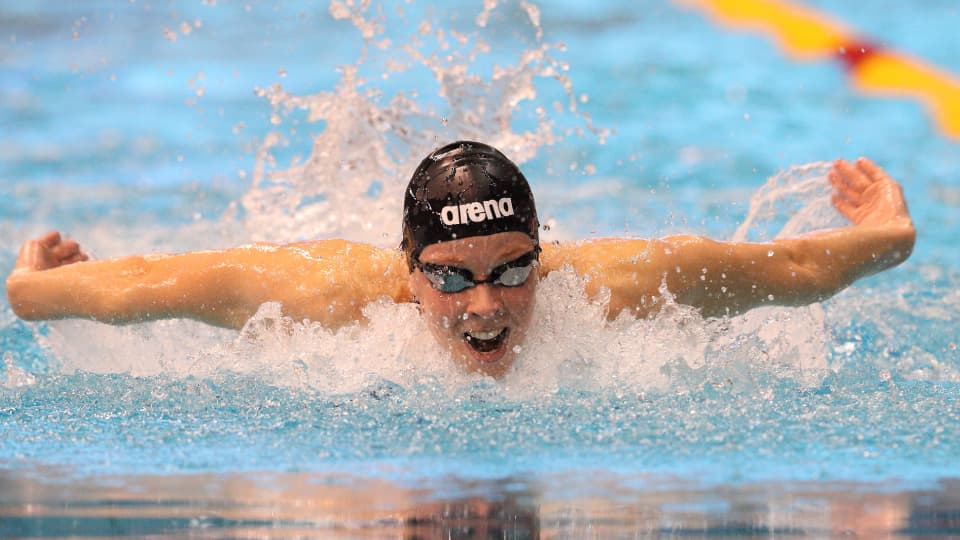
[(363, 269), (335, 249), (369, 270), (610, 259), (591, 255)]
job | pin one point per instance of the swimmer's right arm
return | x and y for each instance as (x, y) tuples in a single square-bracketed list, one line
[(327, 282)]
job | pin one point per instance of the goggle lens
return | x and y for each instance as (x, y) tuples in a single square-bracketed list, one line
[(452, 279)]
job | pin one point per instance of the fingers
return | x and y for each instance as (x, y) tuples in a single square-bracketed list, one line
[(845, 208), (852, 175), (865, 194), (873, 171), (75, 258), (847, 183), (66, 249), (852, 180), (67, 252), (48, 251), (49, 240)]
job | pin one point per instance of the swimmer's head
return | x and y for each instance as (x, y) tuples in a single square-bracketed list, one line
[(461, 190), (471, 242)]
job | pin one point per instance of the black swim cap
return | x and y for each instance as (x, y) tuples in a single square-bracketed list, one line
[(461, 190)]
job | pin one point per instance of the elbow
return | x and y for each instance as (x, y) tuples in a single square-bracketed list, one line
[(808, 281), (905, 241), (812, 273), (819, 287), (820, 282)]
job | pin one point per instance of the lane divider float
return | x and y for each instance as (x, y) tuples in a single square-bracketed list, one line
[(807, 35)]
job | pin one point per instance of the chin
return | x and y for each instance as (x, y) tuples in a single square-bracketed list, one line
[(491, 369)]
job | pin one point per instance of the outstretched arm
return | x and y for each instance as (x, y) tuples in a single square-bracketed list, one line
[(325, 281), (724, 278)]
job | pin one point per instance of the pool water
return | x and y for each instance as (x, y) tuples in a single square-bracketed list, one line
[(142, 127)]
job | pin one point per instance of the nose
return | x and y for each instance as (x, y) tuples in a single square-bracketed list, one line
[(484, 301)]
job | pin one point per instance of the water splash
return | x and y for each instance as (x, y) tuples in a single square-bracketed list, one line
[(791, 202), (371, 137), (14, 376), (349, 185), (571, 347)]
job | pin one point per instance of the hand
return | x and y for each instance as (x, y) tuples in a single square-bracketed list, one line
[(866, 195), (48, 251)]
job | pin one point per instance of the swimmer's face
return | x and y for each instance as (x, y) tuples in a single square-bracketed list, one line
[(483, 325)]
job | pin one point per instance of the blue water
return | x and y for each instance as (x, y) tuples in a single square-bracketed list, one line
[(133, 141)]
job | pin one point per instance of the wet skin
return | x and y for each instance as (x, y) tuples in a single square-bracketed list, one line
[(456, 319)]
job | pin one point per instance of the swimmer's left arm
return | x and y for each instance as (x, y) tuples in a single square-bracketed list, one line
[(722, 278)]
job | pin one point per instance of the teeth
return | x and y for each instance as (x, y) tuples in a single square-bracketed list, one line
[(485, 335)]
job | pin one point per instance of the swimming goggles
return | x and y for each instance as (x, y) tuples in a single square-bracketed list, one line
[(453, 279)]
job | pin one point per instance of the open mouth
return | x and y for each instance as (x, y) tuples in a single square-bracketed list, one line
[(488, 341)]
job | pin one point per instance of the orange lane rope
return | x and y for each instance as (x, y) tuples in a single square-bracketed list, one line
[(808, 35)]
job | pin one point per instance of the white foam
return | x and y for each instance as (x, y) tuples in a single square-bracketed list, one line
[(351, 184), (571, 346)]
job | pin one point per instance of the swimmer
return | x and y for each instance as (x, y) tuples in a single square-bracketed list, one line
[(471, 258)]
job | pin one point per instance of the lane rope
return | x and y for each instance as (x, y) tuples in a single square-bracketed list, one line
[(807, 35)]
